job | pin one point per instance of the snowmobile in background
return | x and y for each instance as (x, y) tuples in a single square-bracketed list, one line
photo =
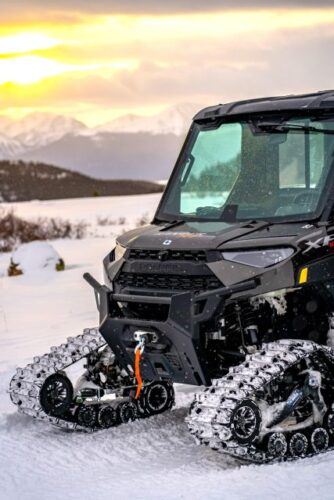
[(230, 287)]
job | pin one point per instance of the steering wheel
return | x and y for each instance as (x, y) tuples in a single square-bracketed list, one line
[(307, 198)]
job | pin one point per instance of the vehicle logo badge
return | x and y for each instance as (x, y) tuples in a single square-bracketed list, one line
[(327, 241), (167, 242)]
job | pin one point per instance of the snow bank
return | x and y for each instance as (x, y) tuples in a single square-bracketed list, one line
[(35, 256)]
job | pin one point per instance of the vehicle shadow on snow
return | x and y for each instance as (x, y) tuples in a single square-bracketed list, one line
[(148, 441), (161, 440), (16, 422)]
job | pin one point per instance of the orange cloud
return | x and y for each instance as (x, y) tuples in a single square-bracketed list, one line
[(107, 64)]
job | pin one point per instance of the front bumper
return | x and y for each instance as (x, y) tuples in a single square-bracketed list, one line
[(177, 353)]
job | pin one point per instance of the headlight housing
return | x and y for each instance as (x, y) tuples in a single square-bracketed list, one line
[(259, 258), (119, 251)]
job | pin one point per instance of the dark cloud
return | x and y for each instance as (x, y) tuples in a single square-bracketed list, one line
[(19, 7)]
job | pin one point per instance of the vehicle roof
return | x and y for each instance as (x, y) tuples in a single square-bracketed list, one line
[(314, 101)]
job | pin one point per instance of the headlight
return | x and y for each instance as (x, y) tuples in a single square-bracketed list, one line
[(119, 251), (259, 258)]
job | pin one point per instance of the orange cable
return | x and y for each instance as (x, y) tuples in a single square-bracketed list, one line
[(137, 373)]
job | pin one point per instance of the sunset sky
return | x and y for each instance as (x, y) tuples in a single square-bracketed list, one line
[(99, 59)]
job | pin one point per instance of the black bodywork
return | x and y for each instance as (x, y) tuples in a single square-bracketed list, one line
[(207, 312)]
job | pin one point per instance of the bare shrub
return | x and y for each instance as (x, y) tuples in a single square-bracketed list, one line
[(14, 269), (108, 221), (105, 221), (15, 230), (143, 220)]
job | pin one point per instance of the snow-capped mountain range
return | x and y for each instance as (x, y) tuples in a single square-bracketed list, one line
[(39, 129), (173, 120), (36, 129), (121, 148), (10, 147)]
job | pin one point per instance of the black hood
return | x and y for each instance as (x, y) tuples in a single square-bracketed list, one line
[(212, 235)]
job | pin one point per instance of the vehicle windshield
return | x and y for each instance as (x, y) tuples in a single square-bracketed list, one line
[(261, 168)]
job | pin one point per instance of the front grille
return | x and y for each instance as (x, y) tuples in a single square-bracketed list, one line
[(188, 255), (168, 282)]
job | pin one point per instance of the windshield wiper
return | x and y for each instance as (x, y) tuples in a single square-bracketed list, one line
[(173, 223), (287, 127)]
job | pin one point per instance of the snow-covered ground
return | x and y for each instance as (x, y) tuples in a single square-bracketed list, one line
[(149, 459), (89, 209)]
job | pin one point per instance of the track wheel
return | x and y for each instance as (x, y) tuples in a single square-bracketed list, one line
[(107, 417), (56, 395), (319, 440), (127, 412), (245, 422), (87, 416), (277, 445), (298, 445), (157, 397), (329, 423)]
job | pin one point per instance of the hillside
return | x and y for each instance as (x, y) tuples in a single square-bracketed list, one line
[(20, 181), (112, 155)]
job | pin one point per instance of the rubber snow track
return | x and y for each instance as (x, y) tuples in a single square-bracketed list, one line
[(26, 384), (210, 418)]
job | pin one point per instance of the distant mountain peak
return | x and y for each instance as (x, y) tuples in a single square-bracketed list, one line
[(173, 120), (40, 128), (9, 147)]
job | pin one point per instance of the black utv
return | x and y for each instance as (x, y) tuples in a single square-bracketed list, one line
[(230, 287)]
